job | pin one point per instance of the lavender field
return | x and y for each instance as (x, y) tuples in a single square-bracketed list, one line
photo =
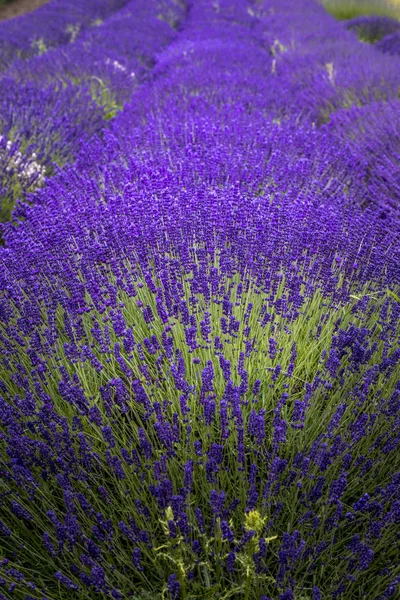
[(200, 301)]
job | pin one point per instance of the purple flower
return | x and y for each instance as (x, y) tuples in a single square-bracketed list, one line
[(4, 530), (292, 548), (116, 465), (102, 490), (48, 544), (256, 387), (165, 434), (172, 529), (280, 427), (20, 512), (162, 492), (225, 367), (174, 587), (136, 559), (316, 491), (337, 488), (196, 547), (298, 414), (256, 425), (253, 199), (362, 503), (227, 533), (273, 348), (217, 343), (217, 501), (128, 341), (317, 595), (247, 537), (68, 583), (209, 411), (108, 436), (145, 445), (260, 555), (287, 595), (230, 562), (197, 448), (200, 520), (99, 578), (207, 378), (364, 553), (205, 326), (95, 416), (188, 475)]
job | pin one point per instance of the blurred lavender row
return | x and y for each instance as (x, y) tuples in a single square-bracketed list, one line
[(57, 23), (54, 102)]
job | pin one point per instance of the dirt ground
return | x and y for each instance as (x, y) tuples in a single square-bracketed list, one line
[(19, 7)]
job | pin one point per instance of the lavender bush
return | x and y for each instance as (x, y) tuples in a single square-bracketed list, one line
[(374, 28), (390, 44), (200, 321)]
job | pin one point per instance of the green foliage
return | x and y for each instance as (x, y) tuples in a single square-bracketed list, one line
[(73, 30), (40, 45), (104, 97), (348, 9)]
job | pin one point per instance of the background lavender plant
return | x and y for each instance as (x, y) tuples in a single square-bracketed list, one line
[(57, 23), (390, 44), (73, 96), (373, 28)]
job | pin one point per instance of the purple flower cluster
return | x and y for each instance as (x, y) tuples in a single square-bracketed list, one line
[(199, 358), (390, 44)]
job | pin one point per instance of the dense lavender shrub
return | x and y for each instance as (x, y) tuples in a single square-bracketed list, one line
[(390, 44), (373, 28), (225, 405), (199, 372), (373, 134)]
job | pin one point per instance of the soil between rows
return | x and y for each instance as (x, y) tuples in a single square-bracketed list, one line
[(19, 7)]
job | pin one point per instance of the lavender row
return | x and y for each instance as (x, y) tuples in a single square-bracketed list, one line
[(64, 97), (390, 44), (57, 23), (372, 29), (327, 84), (383, 31)]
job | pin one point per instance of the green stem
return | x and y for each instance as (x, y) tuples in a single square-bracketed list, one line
[(206, 577), (248, 584), (182, 580)]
